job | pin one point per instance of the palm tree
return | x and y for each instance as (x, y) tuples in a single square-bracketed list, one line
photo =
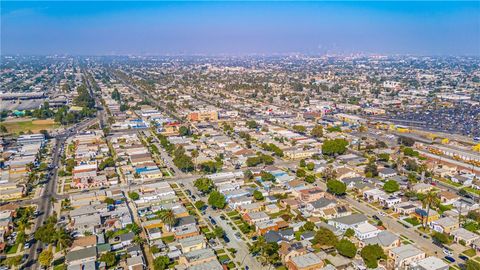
[(62, 239), (429, 200), (168, 217), (194, 156)]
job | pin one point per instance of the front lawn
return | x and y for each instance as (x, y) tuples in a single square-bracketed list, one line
[(470, 252), (12, 249), (413, 221)]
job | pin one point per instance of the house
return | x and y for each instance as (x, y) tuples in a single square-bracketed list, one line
[(192, 243), (430, 263), (136, 263), (311, 194), (273, 237), (464, 236), (422, 187), (421, 215), (197, 257), (255, 217), (365, 230), (308, 261), (404, 256), (387, 172), (446, 225), (209, 265), (447, 197), (385, 239), (405, 208), (288, 250), (390, 201), (81, 256), (348, 222), (374, 195)]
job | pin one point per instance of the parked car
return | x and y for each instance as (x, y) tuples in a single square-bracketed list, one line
[(447, 252), (463, 257), (450, 259)]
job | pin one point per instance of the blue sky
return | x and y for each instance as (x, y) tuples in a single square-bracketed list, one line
[(99, 28)]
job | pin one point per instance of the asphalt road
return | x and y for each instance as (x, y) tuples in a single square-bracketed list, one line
[(44, 201)]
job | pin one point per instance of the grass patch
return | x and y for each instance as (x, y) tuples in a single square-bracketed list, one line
[(12, 249), (232, 213), (168, 239), (470, 252), (412, 221), (24, 125), (223, 258), (220, 251)]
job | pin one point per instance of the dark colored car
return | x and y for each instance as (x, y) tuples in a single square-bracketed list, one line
[(450, 259), (226, 239), (463, 257)]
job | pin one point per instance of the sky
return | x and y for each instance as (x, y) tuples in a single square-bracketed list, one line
[(214, 28)]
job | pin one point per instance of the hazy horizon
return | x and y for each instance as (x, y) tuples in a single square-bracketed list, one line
[(232, 28)]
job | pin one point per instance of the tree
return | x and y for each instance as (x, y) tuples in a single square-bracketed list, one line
[(429, 200), (218, 231), (13, 261), (299, 129), (161, 263), (3, 129), (109, 200), (133, 195), (200, 204), (302, 163), (204, 184), (266, 176), (310, 166), (301, 173), (391, 186), (109, 162), (251, 124), (183, 162), (371, 254), (335, 146), (247, 175), (216, 199), (184, 131), (309, 226), (371, 169), (346, 248), (384, 157), (258, 195), (45, 258), (62, 239), (336, 187), (441, 237), (168, 217), (325, 237), (109, 258), (310, 178), (317, 131), (406, 141), (349, 232)]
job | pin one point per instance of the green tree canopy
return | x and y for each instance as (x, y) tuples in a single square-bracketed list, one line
[(325, 237), (346, 248), (204, 184), (335, 146), (216, 199), (336, 187), (391, 186), (317, 131), (258, 195), (371, 254)]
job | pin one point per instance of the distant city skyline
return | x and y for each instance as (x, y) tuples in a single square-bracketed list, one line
[(239, 28)]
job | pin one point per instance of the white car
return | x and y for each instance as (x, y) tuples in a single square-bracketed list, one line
[(447, 252), (382, 213)]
